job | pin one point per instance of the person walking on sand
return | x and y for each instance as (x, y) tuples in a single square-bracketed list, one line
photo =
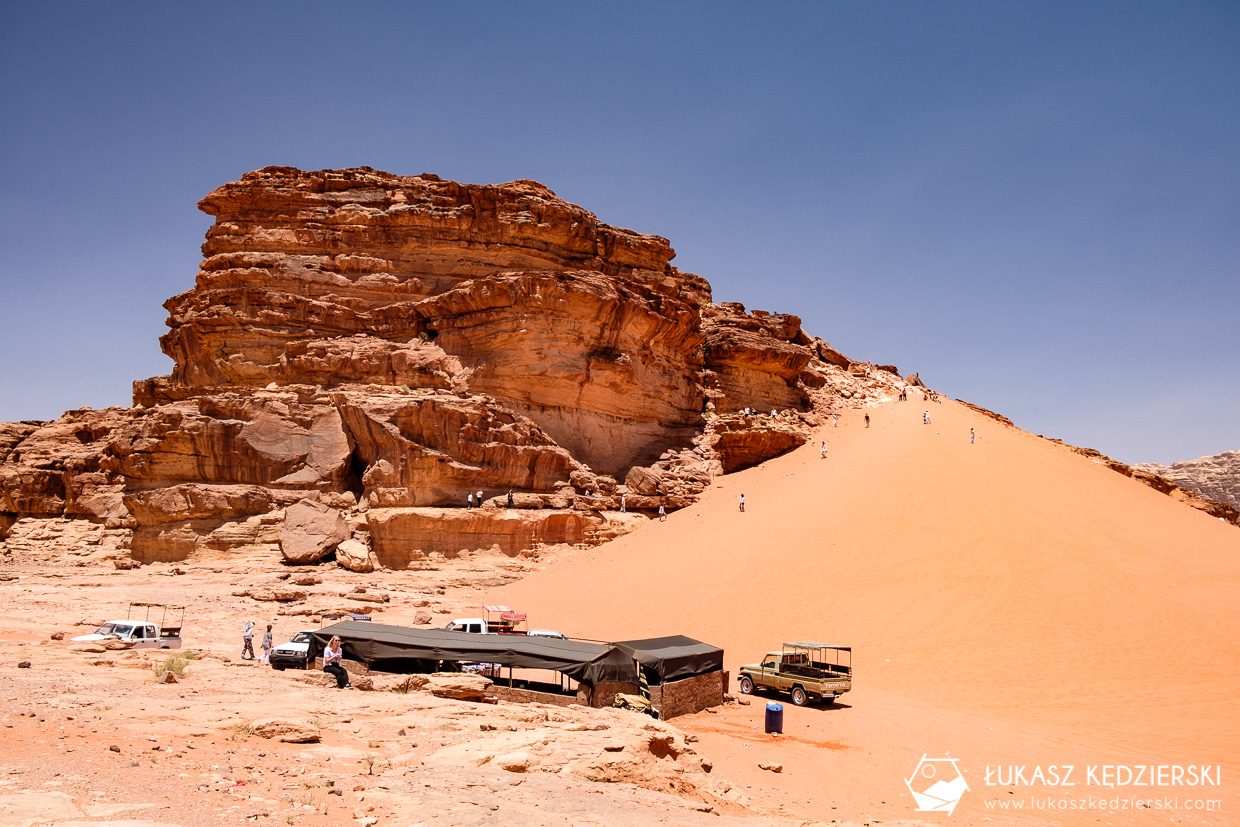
[(867, 420), (662, 514), (247, 641), (478, 498), (469, 500), (836, 417), (331, 664), (925, 418), (623, 502), (266, 658), (741, 501), (972, 436), (822, 452)]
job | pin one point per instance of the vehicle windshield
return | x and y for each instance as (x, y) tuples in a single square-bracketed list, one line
[(301, 637), (113, 629)]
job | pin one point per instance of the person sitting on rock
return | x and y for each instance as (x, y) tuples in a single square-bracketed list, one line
[(331, 664)]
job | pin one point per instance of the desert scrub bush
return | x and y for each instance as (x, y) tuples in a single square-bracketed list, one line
[(176, 664)]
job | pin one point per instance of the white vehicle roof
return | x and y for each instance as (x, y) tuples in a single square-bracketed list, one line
[(809, 644)]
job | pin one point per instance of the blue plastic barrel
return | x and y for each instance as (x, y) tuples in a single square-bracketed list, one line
[(775, 718)]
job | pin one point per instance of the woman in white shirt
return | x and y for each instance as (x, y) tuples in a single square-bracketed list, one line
[(331, 664)]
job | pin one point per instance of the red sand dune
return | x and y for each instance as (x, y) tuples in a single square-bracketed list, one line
[(1009, 602)]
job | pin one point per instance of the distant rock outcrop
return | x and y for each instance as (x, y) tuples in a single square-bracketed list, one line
[(364, 355), (1216, 477), (1225, 511)]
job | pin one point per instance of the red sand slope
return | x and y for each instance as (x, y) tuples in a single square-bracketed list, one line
[(1009, 601)]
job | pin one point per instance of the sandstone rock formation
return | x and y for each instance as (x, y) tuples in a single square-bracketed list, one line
[(458, 686), (286, 730), (1215, 477), (355, 555), (363, 353), (311, 531)]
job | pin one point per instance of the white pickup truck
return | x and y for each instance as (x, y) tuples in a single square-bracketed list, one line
[(499, 620), (141, 634), (480, 626)]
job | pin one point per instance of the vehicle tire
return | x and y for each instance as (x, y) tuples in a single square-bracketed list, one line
[(277, 667), (746, 685), (799, 697)]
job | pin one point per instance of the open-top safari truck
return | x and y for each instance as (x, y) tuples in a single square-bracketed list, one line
[(143, 633), (502, 620), (808, 670)]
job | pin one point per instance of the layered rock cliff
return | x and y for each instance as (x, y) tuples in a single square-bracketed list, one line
[(384, 348), (1215, 477)]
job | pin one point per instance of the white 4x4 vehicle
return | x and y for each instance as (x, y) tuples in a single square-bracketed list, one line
[(142, 634), (294, 653)]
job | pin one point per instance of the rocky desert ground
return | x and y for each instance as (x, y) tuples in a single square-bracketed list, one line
[(90, 736)]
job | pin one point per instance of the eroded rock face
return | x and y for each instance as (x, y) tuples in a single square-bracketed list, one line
[(609, 367), (754, 361), (436, 449), (58, 469), (1215, 477), (746, 441), (408, 536), (362, 354), (259, 439), (311, 531), (344, 276)]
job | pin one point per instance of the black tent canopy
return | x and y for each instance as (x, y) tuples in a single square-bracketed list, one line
[(375, 643), (674, 657)]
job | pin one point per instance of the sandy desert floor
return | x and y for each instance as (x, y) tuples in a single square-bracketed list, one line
[(1010, 604)]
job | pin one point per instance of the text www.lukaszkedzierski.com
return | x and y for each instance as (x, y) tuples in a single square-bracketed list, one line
[(1210, 805)]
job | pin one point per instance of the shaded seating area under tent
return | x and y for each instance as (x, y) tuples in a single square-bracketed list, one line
[(600, 670), (673, 657), (403, 650), (679, 675)]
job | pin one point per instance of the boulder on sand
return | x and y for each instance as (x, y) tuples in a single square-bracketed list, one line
[(355, 555), (312, 531), (283, 729), (458, 686)]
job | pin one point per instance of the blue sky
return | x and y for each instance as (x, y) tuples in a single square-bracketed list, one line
[(1036, 205)]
